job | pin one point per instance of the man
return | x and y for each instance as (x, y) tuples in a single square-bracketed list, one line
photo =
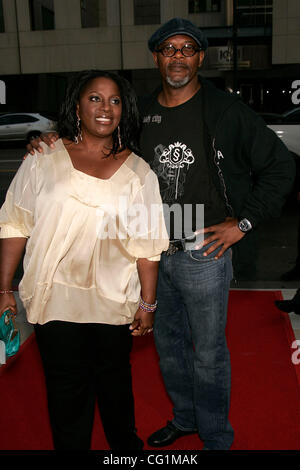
[(208, 149), (215, 151)]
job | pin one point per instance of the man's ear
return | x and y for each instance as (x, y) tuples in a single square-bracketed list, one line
[(155, 58), (201, 57)]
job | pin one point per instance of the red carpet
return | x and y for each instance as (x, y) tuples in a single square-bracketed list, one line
[(265, 405)]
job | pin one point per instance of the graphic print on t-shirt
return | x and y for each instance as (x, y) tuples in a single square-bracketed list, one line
[(171, 165), (177, 145)]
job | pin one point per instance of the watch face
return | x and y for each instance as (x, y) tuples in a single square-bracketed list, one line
[(244, 225)]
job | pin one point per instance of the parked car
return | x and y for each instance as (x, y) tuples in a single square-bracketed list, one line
[(287, 127), (24, 126)]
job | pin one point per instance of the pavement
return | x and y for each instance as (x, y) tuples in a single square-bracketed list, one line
[(276, 248)]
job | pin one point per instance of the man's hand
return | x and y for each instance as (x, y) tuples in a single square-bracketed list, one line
[(142, 323), (50, 138), (223, 235)]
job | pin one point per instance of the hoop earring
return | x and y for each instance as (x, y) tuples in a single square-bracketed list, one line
[(119, 137), (79, 134)]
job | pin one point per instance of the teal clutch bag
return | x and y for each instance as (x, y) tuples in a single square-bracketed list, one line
[(9, 333)]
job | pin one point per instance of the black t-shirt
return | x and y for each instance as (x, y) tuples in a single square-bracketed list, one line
[(172, 143)]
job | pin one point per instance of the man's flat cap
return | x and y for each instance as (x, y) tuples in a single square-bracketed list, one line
[(177, 26)]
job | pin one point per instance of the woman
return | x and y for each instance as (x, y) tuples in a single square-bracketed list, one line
[(90, 267)]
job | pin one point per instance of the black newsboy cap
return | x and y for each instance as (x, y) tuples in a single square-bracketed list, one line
[(177, 26)]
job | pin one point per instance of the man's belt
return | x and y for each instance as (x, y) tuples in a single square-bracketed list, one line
[(174, 246)]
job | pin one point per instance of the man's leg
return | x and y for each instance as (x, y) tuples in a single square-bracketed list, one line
[(207, 300), (192, 296), (174, 344)]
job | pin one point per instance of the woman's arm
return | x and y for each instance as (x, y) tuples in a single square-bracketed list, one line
[(11, 250), (148, 273)]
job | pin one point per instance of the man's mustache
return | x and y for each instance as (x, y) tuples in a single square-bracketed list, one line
[(177, 64)]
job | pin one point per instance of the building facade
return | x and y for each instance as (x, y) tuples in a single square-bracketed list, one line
[(254, 46)]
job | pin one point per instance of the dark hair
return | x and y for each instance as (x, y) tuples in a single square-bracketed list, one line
[(129, 123)]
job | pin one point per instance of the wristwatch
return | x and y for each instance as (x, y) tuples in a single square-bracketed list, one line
[(244, 225)]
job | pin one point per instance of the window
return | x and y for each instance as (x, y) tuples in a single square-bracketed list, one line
[(17, 119), (202, 6), (146, 11), (89, 13), (1, 18), (41, 14), (293, 117), (254, 12)]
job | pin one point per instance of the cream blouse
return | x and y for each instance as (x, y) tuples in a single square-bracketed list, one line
[(85, 235)]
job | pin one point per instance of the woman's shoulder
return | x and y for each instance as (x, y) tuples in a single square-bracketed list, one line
[(138, 164), (142, 170)]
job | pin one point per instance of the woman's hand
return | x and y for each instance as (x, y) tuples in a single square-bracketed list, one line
[(8, 300), (142, 323), (50, 138)]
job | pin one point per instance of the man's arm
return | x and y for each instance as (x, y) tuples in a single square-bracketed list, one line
[(50, 138), (273, 172)]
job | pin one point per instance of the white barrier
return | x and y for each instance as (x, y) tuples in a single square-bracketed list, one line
[(2, 92), (2, 353)]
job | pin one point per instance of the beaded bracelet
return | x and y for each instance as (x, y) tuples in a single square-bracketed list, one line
[(6, 291), (148, 307)]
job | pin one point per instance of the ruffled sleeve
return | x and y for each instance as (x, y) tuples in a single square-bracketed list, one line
[(17, 212), (147, 234)]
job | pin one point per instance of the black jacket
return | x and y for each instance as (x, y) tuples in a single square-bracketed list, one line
[(252, 169)]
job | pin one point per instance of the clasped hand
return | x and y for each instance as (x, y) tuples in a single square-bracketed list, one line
[(142, 323)]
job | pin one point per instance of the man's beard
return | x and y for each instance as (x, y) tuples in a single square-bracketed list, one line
[(177, 83)]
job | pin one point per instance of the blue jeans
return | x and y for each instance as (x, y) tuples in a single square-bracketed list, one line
[(190, 339)]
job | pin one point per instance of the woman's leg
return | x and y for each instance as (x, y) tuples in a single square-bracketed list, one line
[(71, 398), (112, 372)]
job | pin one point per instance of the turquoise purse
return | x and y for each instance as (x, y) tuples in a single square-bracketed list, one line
[(9, 333)]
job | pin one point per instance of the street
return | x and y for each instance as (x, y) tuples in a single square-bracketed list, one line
[(11, 156)]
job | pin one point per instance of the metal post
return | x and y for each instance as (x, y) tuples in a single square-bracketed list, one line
[(121, 35), (18, 38)]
